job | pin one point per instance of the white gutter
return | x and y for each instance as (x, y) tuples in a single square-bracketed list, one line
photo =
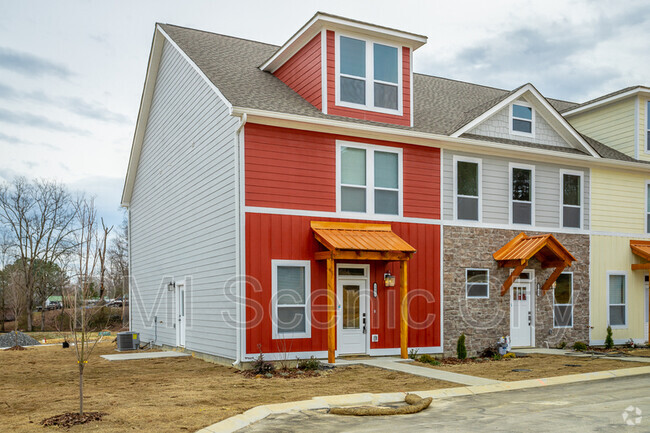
[(428, 139)]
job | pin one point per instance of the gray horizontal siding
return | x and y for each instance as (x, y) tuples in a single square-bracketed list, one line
[(498, 125), (183, 211), (496, 190)]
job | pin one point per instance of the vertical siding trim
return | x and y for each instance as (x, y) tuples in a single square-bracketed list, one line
[(636, 127), (323, 64)]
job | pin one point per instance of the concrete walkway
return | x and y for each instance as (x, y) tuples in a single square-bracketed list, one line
[(144, 355), (542, 351), (398, 364)]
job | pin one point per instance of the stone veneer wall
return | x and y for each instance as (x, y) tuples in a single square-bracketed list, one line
[(485, 320)]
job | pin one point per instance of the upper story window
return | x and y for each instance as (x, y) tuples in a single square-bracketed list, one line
[(467, 189), (647, 207), (369, 178), (368, 75), (521, 194), (522, 121), (571, 212), (647, 127)]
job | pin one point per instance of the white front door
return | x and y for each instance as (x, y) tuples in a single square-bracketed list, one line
[(180, 314), (352, 318), (521, 315)]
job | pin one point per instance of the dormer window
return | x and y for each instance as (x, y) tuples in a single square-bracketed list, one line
[(521, 119), (368, 75)]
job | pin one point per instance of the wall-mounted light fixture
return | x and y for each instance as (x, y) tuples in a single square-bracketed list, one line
[(171, 286), (389, 280)]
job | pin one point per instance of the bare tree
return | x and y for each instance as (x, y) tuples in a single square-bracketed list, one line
[(5, 254), (49, 279), (39, 217), (89, 245), (16, 297), (102, 259), (118, 272)]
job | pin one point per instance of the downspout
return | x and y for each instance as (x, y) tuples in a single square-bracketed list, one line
[(240, 301)]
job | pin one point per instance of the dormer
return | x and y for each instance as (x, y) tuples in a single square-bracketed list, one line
[(349, 68), (619, 119)]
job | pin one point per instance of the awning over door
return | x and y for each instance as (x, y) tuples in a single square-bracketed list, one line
[(358, 241), (641, 249), (545, 248)]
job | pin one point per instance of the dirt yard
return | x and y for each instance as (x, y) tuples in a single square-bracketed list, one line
[(540, 365), (161, 395)]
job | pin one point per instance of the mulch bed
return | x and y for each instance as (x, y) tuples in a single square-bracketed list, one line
[(69, 419), (291, 373), (17, 348)]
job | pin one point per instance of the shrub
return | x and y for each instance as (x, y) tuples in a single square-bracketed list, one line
[(309, 364), (428, 359), (260, 366), (413, 354), (497, 357), (561, 344), (489, 352), (509, 355), (579, 346), (461, 350), (609, 341)]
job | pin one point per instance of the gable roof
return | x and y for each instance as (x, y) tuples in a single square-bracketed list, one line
[(606, 99)]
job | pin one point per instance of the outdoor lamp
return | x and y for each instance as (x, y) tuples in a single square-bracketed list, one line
[(171, 286), (389, 280)]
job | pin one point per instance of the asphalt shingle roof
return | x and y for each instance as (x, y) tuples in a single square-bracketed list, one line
[(441, 105)]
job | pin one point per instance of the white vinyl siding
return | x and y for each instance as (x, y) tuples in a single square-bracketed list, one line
[(182, 213)]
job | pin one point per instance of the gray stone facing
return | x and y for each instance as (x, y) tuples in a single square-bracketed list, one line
[(485, 320)]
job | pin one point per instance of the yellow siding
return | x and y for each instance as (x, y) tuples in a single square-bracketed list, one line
[(618, 201), (610, 253), (643, 130), (612, 125)]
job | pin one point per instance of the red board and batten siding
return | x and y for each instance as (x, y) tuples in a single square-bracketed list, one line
[(303, 72), (293, 169), (289, 237), (332, 108)]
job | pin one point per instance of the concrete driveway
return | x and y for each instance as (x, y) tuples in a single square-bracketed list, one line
[(596, 406)]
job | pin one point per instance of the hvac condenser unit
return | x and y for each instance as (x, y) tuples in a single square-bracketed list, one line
[(128, 341)]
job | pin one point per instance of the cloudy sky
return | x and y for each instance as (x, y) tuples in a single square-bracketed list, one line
[(71, 72)]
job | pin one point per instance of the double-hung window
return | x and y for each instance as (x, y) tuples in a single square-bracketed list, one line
[(647, 127), (477, 283), (522, 121), (522, 191), (291, 299), (617, 299), (563, 301), (369, 179), (467, 189), (368, 75), (647, 207), (571, 212)]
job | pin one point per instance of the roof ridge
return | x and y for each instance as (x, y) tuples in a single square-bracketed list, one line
[(459, 81), (220, 34)]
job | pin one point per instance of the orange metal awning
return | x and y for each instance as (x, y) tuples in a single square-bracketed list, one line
[(641, 249), (360, 241), (545, 248)]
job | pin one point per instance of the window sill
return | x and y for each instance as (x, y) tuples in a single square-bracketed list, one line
[(343, 104)]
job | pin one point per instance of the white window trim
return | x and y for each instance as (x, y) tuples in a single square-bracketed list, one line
[(511, 167), (571, 304), (488, 283), (369, 79), (370, 179), (456, 160), (624, 274), (306, 264), (532, 119), (582, 198), (647, 210), (647, 127)]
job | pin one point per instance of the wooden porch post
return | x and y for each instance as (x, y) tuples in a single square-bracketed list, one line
[(403, 310), (331, 310)]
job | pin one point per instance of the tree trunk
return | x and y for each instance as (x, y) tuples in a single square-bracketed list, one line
[(43, 317), (30, 318), (81, 388)]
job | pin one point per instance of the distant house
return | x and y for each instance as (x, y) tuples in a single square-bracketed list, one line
[(323, 199)]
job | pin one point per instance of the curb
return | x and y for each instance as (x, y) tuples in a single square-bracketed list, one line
[(258, 413)]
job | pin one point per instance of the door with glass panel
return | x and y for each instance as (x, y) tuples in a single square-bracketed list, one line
[(521, 315), (352, 299)]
